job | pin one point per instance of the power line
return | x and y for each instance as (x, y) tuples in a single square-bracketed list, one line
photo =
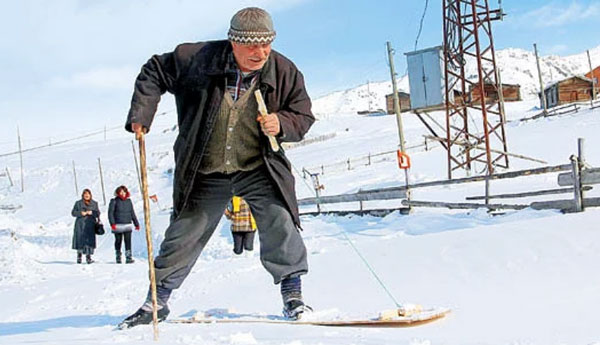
[(421, 24), (83, 136)]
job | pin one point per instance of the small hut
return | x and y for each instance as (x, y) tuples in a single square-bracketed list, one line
[(570, 90), (511, 93), (404, 99)]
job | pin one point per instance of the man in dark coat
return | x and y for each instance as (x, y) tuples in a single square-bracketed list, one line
[(223, 150)]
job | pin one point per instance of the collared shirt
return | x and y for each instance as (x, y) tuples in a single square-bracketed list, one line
[(238, 82)]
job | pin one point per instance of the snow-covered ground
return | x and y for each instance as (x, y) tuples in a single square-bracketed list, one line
[(525, 277)]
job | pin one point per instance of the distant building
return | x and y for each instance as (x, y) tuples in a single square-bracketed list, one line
[(426, 78), (595, 76), (573, 89), (511, 93), (404, 99)]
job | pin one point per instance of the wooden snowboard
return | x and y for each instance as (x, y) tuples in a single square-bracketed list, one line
[(417, 319)]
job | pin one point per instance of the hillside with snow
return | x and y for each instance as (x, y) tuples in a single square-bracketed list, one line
[(517, 66), (521, 277)]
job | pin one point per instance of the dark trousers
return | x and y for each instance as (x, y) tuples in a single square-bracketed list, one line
[(119, 239), (243, 240), (282, 251)]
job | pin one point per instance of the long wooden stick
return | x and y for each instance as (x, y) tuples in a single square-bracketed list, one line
[(144, 178), (262, 108)]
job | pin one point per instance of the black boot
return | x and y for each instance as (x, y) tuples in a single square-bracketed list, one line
[(128, 257), (143, 317), (118, 256), (291, 293), (295, 308), (88, 259), (79, 255)]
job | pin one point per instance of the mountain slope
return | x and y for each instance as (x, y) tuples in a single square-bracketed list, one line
[(517, 66)]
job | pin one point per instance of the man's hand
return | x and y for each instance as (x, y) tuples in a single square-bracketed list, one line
[(269, 124), (138, 129)]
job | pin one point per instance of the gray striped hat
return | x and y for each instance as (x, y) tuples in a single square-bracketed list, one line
[(251, 25)]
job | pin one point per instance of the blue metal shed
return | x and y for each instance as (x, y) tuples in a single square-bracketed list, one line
[(426, 77)]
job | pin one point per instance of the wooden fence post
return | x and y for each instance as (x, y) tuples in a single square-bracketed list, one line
[(75, 179), (487, 191), (102, 181), (581, 161), (9, 177), (576, 183), (21, 159)]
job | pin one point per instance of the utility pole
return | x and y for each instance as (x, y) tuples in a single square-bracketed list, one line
[(396, 100), (397, 111), (102, 180), (21, 159), (75, 179), (542, 91), (593, 78)]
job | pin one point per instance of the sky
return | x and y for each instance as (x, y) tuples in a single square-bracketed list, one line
[(68, 66)]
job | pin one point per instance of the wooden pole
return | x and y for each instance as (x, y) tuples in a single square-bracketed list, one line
[(487, 191), (528, 194), (501, 96), (21, 159), (581, 163), (137, 168), (75, 179), (397, 111), (102, 181), (9, 177), (512, 174), (148, 233), (593, 78), (461, 205), (542, 91), (577, 183)]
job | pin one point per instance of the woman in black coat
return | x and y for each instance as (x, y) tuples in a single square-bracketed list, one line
[(86, 213), (120, 215)]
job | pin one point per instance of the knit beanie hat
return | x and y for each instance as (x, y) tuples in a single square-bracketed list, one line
[(251, 25)]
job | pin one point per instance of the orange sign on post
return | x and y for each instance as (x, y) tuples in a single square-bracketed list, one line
[(403, 160)]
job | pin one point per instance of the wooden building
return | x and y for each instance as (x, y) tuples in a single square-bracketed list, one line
[(570, 90), (404, 99), (511, 93), (594, 74)]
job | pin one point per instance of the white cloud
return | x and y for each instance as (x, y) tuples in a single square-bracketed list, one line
[(555, 14), (99, 78)]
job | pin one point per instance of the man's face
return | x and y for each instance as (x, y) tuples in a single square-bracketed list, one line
[(251, 57)]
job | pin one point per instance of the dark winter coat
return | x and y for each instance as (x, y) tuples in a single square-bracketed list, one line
[(195, 74), (121, 212), (84, 234)]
